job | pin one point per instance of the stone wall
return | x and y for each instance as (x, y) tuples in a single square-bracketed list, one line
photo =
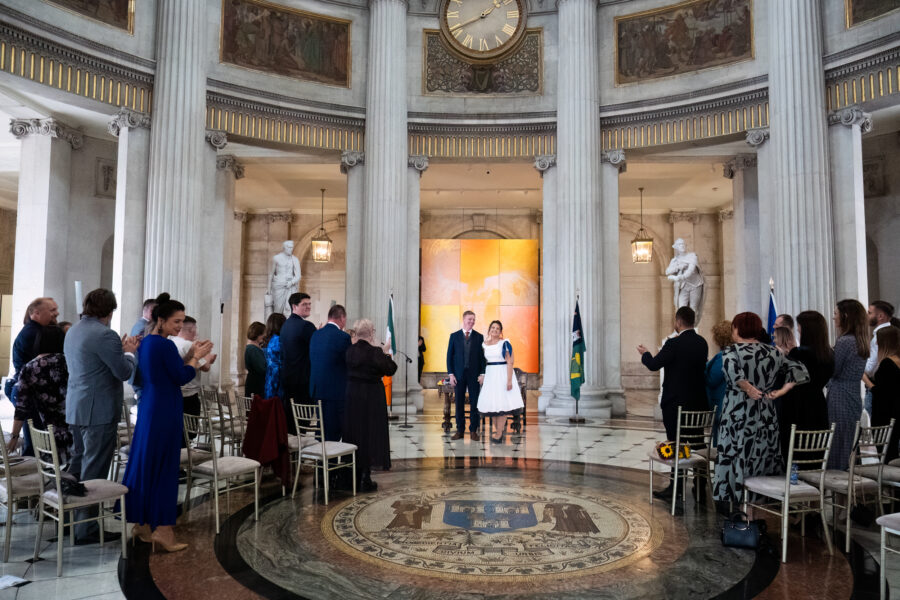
[(883, 217)]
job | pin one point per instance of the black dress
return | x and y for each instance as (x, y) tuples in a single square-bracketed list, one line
[(365, 414), (886, 402), (255, 361), (805, 405)]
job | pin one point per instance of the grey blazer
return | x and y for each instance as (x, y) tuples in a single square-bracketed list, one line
[(97, 367)]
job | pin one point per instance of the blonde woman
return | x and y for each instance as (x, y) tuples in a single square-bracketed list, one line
[(500, 395)]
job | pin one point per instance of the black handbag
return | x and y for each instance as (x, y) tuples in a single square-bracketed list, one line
[(740, 532)]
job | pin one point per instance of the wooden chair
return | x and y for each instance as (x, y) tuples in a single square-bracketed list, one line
[(695, 431), (308, 419), (16, 484)]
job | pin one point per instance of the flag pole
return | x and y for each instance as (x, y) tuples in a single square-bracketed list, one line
[(577, 419), (391, 415)]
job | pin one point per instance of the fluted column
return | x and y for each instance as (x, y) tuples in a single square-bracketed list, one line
[(742, 171), (353, 166), (42, 216), (177, 156), (552, 340), (133, 130), (417, 165), (728, 250), (804, 260), (614, 164), (578, 165), (238, 337), (385, 216), (847, 127), (758, 140)]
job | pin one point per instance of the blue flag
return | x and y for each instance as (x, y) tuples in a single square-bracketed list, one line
[(773, 313)]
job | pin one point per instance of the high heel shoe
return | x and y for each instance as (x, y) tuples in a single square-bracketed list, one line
[(166, 545), (141, 532)]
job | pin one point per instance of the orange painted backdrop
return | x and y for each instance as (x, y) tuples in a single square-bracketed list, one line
[(497, 279)]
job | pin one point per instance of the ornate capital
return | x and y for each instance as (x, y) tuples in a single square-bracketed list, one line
[(230, 162), (350, 159), (544, 162), (127, 119), (684, 215), (726, 214), (479, 221), (274, 217), (757, 137), (850, 116), (24, 127), (738, 163), (419, 162), (241, 216), (342, 219), (616, 158), (216, 138)]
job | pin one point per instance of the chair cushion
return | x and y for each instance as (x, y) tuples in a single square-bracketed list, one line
[(199, 456), (21, 465), (332, 449), (891, 521), (124, 451), (687, 463), (709, 453), (889, 474), (24, 486), (772, 486), (228, 466), (302, 441), (838, 481), (98, 490)]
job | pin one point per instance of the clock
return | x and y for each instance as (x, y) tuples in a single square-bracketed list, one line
[(482, 30)]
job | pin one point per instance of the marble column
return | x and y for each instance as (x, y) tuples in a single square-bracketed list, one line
[(417, 165), (847, 127), (744, 243), (800, 181), (580, 273), (42, 217), (133, 130), (553, 349), (727, 250), (758, 140), (238, 337), (353, 166), (614, 164), (177, 155)]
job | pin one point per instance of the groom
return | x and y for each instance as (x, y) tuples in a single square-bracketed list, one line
[(466, 365)]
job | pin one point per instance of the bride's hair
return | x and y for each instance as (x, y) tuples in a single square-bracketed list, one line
[(499, 324)]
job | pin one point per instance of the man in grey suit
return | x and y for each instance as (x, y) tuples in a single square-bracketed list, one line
[(98, 362)]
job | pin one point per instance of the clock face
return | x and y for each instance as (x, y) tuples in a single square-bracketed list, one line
[(483, 29)]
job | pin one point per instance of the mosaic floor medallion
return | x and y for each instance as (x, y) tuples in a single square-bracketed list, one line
[(468, 530)]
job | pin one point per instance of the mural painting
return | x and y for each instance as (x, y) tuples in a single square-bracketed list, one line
[(269, 38), (865, 10), (118, 13), (683, 38)]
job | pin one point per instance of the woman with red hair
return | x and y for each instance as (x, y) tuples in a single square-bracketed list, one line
[(748, 444)]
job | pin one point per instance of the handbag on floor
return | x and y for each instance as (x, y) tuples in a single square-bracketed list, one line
[(740, 532)]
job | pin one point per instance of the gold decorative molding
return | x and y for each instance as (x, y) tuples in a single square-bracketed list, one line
[(463, 142), (863, 81)]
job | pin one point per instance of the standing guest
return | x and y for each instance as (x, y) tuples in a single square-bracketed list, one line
[(715, 376), (365, 418), (466, 365), (184, 341), (880, 314), (422, 350), (255, 360), (684, 384), (328, 370), (274, 387), (784, 339), (65, 326), (98, 363), (140, 326), (784, 320), (804, 404), (296, 334), (844, 399), (886, 386), (748, 432), (500, 395), (151, 474), (41, 392)]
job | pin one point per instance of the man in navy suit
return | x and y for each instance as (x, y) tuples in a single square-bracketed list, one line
[(296, 334), (328, 370), (466, 365)]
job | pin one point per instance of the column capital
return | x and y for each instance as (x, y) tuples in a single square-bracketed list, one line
[(850, 116), (242, 216), (230, 162), (544, 162), (684, 215), (615, 157), (738, 163), (127, 119), (726, 214), (757, 137), (419, 162), (350, 159), (274, 217), (22, 128), (342, 219), (216, 138)]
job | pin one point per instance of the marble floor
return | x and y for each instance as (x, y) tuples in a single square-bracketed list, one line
[(596, 471)]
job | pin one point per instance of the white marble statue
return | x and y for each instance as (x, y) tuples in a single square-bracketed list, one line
[(284, 280), (684, 272)]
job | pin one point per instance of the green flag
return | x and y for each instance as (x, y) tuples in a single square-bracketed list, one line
[(389, 335), (576, 365)]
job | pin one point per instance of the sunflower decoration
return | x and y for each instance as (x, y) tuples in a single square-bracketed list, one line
[(666, 450)]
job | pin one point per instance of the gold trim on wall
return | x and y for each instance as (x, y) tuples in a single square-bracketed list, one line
[(848, 13), (467, 146), (878, 81), (130, 28)]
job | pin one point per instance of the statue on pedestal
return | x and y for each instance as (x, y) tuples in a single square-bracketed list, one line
[(684, 272), (284, 280)]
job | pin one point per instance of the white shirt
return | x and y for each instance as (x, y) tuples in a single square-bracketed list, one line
[(872, 361), (191, 388)]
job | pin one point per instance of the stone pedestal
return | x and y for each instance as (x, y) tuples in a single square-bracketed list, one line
[(743, 244), (353, 165), (845, 133), (613, 165), (133, 130), (552, 347), (42, 218), (416, 166)]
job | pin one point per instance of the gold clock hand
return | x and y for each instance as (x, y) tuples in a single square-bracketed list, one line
[(483, 14)]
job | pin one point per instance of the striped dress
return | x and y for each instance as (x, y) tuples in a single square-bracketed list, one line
[(844, 399)]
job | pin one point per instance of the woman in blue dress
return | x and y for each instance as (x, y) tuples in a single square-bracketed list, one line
[(274, 387), (152, 471)]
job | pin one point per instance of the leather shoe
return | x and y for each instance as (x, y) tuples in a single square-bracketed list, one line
[(474, 436), (664, 494), (94, 538), (457, 436)]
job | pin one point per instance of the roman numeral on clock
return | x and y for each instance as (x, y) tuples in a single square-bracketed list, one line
[(467, 41), (483, 45), (452, 14), (509, 29), (510, 14)]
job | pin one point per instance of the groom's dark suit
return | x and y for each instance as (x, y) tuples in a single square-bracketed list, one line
[(465, 360)]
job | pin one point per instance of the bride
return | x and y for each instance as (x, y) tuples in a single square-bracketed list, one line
[(500, 395)]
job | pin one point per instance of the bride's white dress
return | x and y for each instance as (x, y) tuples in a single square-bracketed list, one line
[(494, 399)]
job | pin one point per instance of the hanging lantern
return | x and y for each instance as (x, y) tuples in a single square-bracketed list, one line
[(642, 244), (321, 243)]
